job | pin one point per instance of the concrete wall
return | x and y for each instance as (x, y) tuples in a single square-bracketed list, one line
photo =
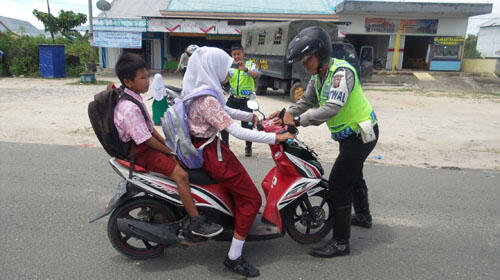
[(480, 65), (488, 41)]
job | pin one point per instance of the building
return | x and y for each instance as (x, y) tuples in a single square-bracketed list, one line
[(18, 26), (488, 39), (414, 35)]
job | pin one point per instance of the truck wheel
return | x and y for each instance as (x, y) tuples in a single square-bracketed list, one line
[(296, 92), (261, 90)]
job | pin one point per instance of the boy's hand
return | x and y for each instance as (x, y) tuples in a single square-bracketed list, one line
[(255, 120)]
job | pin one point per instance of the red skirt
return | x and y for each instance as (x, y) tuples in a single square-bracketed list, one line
[(230, 174)]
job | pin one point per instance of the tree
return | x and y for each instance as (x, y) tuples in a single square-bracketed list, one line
[(64, 23), (470, 46)]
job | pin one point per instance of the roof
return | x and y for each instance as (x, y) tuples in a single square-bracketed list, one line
[(252, 7), (18, 26), (492, 22), (413, 8), (135, 8), (254, 10)]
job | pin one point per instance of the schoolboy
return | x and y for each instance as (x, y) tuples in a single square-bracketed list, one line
[(151, 152)]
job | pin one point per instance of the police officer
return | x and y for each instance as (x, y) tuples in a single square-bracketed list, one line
[(335, 87), (242, 84)]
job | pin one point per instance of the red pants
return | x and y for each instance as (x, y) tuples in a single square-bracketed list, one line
[(154, 160), (230, 174)]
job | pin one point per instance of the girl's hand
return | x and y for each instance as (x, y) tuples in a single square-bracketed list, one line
[(283, 137)]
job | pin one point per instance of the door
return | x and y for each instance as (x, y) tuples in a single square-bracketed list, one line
[(366, 62)]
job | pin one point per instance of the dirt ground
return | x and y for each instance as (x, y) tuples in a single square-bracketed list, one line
[(447, 127)]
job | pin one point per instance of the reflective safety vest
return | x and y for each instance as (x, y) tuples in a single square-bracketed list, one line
[(355, 110), (242, 84)]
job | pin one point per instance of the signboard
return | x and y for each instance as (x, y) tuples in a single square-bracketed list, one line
[(449, 41), (406, 26), (209, 27), (420, 26), (126, 40), (380, 25), (131, 25)]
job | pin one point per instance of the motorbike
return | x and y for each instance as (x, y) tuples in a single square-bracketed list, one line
[(147, 215)]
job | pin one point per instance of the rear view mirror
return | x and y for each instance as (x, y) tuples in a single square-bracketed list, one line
[(253, 105)]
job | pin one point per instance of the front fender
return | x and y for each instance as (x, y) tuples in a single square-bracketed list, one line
[(123, 194)]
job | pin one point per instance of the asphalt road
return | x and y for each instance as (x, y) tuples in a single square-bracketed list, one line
[(428, 224)]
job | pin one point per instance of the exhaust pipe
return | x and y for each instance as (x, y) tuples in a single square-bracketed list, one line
[(164, 234)]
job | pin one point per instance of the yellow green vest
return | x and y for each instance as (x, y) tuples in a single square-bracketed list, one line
[(355, 110), (241, 83)]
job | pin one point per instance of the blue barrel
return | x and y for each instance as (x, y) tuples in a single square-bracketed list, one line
[(52, 61)]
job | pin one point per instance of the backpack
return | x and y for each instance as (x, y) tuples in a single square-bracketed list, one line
[(101, 114), (176, 130)]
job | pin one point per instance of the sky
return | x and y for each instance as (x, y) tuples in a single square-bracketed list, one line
[(22, 9)]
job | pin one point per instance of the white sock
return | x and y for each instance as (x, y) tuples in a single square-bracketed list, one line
[(236, 248)]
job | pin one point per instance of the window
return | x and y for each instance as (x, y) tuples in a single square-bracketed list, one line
[(277, 36), (446, 51), (262, 38)]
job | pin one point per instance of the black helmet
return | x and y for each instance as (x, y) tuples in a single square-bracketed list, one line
[(313, 39)]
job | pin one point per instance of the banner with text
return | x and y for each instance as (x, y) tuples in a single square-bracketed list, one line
[(126, 40)]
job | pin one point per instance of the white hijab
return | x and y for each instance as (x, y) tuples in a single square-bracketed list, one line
[(158, 88), (206, 69)]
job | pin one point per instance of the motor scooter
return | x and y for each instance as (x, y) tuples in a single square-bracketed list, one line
[(147, 215)]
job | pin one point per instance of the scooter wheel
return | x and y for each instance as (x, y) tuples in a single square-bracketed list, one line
[(308, 219), (145, 209)]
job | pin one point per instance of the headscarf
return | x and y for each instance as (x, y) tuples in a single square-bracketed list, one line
[(158, 88), (206, 69)]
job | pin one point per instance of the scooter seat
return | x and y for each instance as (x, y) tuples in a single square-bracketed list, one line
[(137, 168)]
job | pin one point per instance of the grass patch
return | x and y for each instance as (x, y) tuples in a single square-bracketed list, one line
[(488, 93), (391, 89), (96, 83)]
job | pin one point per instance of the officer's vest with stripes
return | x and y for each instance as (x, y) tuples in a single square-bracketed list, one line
[(241, 83), (355, 110)]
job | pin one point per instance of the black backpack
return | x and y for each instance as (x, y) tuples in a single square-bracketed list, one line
[(101, 115)]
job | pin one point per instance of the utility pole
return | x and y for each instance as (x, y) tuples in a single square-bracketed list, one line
[(91, 65), (51, 23)]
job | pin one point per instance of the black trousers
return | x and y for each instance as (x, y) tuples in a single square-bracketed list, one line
[(240, 104), (345, 178)]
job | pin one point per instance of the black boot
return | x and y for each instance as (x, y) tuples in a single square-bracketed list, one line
[(248, 149), (333, 248), (362, 216), (339, 244)]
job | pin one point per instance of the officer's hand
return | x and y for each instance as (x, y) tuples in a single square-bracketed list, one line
[(288, 119), (274, 115), (283, 137)]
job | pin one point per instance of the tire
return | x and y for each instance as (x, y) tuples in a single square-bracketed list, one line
[(156, 212), (296, 92), (261, 90), (310, 213), (261, 86)]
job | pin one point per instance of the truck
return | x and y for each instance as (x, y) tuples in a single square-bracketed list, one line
[(266, 45)]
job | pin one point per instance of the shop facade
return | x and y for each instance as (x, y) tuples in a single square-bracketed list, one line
[(404, 35)]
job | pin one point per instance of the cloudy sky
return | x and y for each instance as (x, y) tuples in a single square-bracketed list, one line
[(22, 9)]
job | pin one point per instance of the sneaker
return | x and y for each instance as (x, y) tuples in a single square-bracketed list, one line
[(241, 266), (202, 227), (361, 221), (248, 152)]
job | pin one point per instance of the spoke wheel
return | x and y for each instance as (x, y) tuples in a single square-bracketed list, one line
[(144, 209), (296, 92), (309, 219)]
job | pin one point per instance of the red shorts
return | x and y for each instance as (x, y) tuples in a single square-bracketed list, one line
[(154, 160)]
